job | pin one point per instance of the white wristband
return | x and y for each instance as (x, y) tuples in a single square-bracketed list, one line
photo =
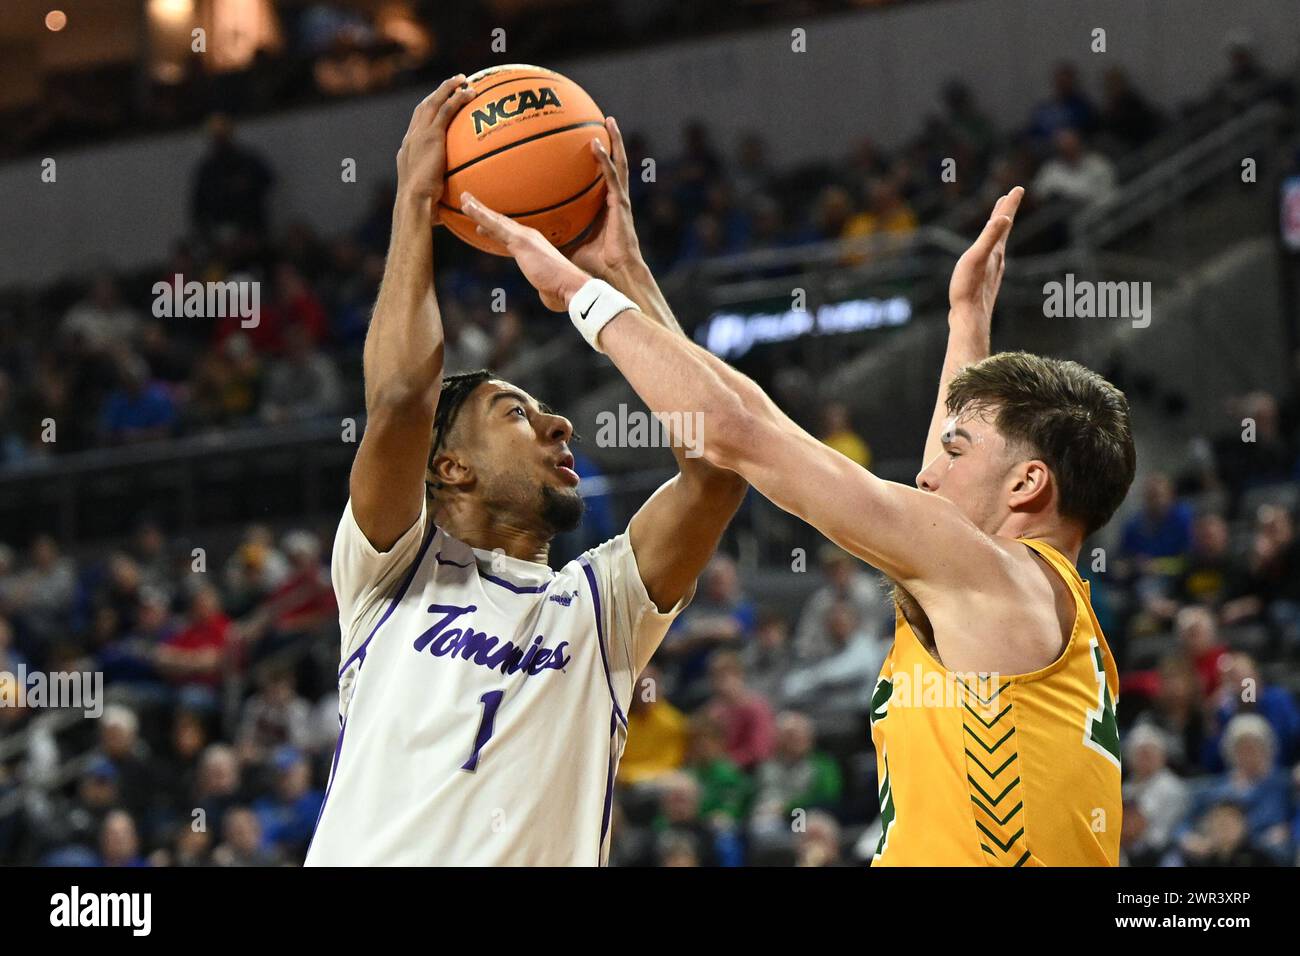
[(594, 305)]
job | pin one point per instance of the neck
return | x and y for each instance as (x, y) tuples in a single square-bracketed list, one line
[(492, 529), (1063, 536)]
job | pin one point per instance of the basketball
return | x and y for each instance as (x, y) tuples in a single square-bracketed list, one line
[(522, 146)]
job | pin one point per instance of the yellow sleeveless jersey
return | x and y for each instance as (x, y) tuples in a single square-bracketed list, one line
[(988, 770)]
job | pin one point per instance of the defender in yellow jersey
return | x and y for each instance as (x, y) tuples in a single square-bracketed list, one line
[(1025, 457), (1000, 770)]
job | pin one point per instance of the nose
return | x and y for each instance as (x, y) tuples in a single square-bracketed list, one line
[(927, 477), (557, 428)]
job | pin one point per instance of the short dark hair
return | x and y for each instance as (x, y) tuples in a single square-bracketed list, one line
[(455, 390), (1071, 418)]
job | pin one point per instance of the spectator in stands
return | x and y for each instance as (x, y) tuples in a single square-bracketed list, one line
[(58, 822), (720, 616), (1156, 540), (243, 841), (301, 605), (837, 688), (120, 744), (845, 579), (1245, 82), (139, 409), (796, 777), (254, 571), (725, 791), (656, 732), (819, 843), (199, 654), (303, 385), (1127, 119), (274, 717), (1243, 691), (1255, 452), (225, 385), (1068, 108), (1178, 709), (1272, 567), (1074, 174), (1254, 783), (219, 784), (101, 319), (288, 816), (769, 656), (1136, 848), (886, 212), (119, 842), (181, 766), (1198, 637), (1223, 838), (746, 718), (684, 833), (1212, 574), (831, 214), (1158, 794), (231, 185), (129, 659), (837, 431), (42, 593)]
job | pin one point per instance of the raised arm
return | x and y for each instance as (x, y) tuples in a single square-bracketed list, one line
[(404, 345), (971, 294), (676, 531), (912, 536)]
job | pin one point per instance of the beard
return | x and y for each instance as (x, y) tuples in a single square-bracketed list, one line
[(561, 510)]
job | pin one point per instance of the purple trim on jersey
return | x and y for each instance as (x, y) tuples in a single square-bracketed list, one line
[(360, 652), (609, 784), (518, 589), (600, 634), (334, 771)]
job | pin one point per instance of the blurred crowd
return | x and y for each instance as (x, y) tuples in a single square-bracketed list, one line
[(320, 50), (98, 360), (748, 739)]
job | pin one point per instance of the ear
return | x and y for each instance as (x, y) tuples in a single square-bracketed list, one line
[(450, 470), (1032, 486)]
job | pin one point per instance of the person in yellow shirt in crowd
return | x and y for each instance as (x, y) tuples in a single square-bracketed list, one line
[(657, 733), (837, 432)]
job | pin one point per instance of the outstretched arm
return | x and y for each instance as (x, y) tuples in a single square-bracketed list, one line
[(912, 536), (676, 531), (971, 294), (404, 345)]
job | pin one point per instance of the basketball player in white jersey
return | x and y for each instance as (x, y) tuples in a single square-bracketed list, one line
[(482, 695)]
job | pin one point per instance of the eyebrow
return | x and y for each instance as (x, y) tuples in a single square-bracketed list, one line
[(516, 396), (958, 432)]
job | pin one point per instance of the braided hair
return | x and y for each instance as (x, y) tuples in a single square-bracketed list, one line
[(455, 390)]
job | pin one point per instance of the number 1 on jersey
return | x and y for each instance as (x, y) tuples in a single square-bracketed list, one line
[(490, 701)]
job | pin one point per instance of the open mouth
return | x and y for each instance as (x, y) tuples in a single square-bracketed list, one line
[(565, 467)]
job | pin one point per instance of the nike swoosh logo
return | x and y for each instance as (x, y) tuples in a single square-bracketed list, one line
[(583, 313)]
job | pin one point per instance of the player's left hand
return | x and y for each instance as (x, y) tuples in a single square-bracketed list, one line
[(978, 274), (555, 278), (611, 245)]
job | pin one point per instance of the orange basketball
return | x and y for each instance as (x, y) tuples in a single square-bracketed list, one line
[(522, 146)]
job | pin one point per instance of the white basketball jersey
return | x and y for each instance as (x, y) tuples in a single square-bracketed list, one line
[(482, 702)]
